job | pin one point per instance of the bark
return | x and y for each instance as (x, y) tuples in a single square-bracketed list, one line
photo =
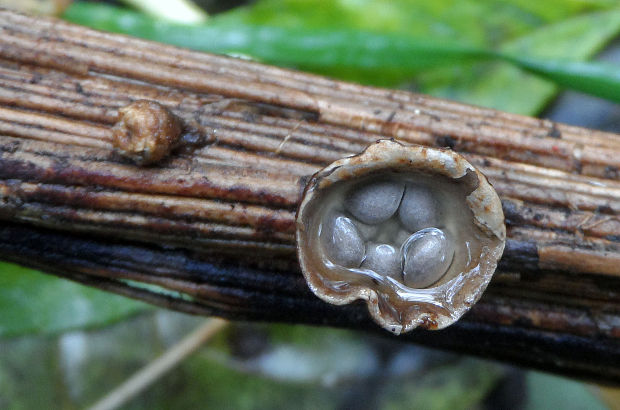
[(214, 221)]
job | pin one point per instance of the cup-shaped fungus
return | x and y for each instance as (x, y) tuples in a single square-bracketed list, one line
[(414, 231)]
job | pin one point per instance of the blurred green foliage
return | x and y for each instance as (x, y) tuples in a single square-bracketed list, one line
[(35, 303), (498, 85), (550, 392), (77, 368), (465, 50)]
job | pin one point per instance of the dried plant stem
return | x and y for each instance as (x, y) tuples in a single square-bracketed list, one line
[(152, 372), (215, 220)]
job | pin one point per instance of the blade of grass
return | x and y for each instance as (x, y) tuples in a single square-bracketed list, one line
[(595, 78), (159, 367)]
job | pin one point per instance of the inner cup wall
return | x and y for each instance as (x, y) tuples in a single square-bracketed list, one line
[(456, 220)]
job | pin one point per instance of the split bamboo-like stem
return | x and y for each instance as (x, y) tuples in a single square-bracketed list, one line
[(214, 221)]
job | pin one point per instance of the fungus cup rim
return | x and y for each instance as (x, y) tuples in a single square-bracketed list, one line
[(435, 307)]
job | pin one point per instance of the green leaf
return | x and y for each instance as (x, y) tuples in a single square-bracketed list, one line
[(546, 391), (552, 10), (442, 20), (508, 88), (376, 42), (383, 57), (317, 48), (598, 79), (35, 303)]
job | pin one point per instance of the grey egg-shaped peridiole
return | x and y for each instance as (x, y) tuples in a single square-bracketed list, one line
[(374, 202), (342, 242), (419, 208), (427, 254), (383, 259), (414, 231)]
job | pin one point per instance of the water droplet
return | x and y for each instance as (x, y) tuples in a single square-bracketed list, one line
[(428, 254)]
